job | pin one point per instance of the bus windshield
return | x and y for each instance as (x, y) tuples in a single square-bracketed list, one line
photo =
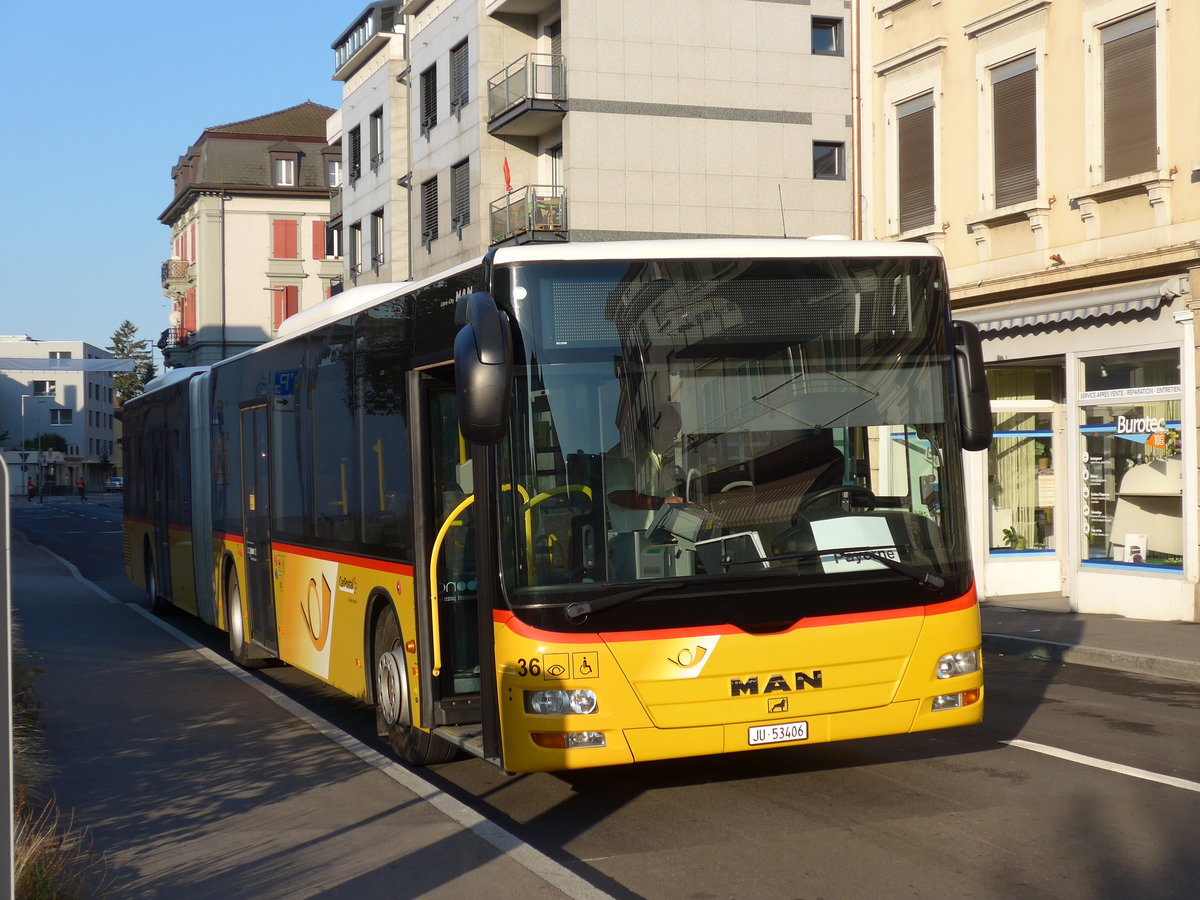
[(702, 423)]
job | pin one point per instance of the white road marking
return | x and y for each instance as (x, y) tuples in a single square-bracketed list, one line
[(553, 873), (1145, 775)]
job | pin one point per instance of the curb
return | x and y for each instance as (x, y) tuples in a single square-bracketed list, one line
[(1097, 657)]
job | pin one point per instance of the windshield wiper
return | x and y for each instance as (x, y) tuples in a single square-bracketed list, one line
[(577, 612), (925, 579)]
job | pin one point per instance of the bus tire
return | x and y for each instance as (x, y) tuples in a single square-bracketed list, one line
[(158, 605), (393, 707), (239, 649)]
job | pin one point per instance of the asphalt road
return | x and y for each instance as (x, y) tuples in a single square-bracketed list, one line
[(1081, 783)]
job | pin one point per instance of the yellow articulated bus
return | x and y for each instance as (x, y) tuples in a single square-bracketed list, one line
[(587, 504)]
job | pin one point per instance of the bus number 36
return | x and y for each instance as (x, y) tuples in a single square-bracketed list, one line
[(529, 667)]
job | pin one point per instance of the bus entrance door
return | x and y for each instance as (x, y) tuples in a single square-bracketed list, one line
[(445, 486), (257, 528)]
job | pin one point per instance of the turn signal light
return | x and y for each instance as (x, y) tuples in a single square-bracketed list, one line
[(568, 740)]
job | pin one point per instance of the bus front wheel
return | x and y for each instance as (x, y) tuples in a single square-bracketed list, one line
[(393, 706), (238, 648), (158, 605)]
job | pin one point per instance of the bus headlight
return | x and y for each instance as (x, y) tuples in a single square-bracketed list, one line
[(560, 703), (953, 664)]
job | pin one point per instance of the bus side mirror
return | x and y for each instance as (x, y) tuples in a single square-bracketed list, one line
[(974, 404), (482, 368)]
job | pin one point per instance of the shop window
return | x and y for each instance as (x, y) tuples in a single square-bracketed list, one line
[(1133, 484), (1021, 483)]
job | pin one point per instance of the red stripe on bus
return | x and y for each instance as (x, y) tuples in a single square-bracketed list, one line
[(231, 538), (346, 560), (510, 621)]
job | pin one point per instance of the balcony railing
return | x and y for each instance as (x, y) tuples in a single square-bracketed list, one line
[(176, 270), (531, 78), (533, 210), (173, 339)]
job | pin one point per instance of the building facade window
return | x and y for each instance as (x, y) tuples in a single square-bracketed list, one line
[(460, 87), (1014, 131), (61, 354), (285, 173), (378, 257), (355, 157), (827, 37), (44, 388), (914, 169), (376, 139), (62, 417), (333, 173), (1131, 433), (286, 303), (355, 249), (333, 241), (829, 160), (428, 99), (1130, 112), (460, 195), (429, 210)]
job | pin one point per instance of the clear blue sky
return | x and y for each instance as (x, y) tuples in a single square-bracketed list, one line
[(100, 101)]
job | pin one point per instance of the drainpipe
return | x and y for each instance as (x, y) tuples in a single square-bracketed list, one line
[(224, 346), (856, 128)]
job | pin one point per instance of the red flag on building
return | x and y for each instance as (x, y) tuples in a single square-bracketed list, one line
[(507, 176)]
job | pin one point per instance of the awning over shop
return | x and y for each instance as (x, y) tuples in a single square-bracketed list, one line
[(1092, 304)]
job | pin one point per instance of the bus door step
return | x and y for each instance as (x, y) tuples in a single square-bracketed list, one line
[(466, 737)]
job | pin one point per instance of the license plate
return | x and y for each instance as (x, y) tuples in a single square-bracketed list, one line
[(778, 733)]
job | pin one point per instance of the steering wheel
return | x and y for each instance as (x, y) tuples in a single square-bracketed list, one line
[(859, 496)]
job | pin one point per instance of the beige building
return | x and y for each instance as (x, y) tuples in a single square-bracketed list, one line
[(1052, 151), (56, 403), (248, 233), (557, 120)]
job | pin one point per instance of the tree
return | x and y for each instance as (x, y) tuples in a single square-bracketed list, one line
[(127, 345)]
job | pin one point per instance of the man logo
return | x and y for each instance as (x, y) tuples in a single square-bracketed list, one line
[(686, 658), (778, 705)]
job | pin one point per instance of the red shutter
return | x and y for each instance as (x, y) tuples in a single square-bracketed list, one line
[(192, 239), (286, 234), (286, 302), (189, 312), (318, 239)]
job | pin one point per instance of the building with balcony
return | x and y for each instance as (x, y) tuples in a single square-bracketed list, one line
[(541, 120), (56, 404), (1052, 151), (369, 216), (248, 233)]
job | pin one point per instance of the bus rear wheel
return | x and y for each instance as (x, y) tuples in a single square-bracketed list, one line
[(393, 706), (239, 649), (158, 605)]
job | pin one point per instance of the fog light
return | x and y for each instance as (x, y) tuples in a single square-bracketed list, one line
[(560, 703), (569, 740), (954, 701), (953, 664)]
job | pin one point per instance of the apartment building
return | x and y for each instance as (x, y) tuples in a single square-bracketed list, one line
[(370, 208), (1052, 151), (248, 233), (63, 389), (541, 120)]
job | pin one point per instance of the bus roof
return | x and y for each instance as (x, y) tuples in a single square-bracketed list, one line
[(716, 248), (168, 378)]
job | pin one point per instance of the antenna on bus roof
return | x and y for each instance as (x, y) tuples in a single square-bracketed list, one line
[(782, 216)]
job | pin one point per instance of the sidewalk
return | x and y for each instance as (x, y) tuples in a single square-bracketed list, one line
[(1034, 628)]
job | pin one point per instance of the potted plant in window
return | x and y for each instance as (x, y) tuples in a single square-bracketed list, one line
[(1014, 540)]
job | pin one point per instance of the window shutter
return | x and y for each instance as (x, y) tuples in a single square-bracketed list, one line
[(459, 85), (916, 163), (1014, 132), (189, 311), (1130, 135), (286, 238), (318, 239), (429, 205), (460, 194)]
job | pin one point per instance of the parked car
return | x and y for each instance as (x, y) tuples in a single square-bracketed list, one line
[(115, 483)]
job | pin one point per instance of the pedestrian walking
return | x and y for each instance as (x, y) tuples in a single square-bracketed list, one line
[(82, 489), (30, 489)]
